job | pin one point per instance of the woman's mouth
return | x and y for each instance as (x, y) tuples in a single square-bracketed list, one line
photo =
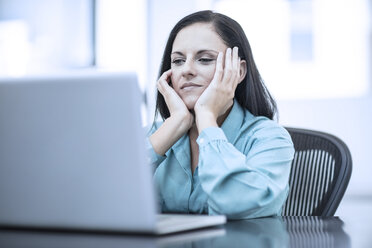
[(189, 86)]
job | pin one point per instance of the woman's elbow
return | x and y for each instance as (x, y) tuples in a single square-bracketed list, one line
[(268, 205)]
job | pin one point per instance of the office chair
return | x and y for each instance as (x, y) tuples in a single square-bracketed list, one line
[(320, 173)]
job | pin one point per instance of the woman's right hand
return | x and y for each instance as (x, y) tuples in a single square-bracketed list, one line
[(177, 108), (179, 122)]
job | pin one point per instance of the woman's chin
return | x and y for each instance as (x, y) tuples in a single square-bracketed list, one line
[(190, 105), (190, 100)]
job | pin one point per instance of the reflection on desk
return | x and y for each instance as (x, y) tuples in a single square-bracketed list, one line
[(311, 231), (263, 232)]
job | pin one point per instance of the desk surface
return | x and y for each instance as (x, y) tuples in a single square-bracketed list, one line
[(264, 232)]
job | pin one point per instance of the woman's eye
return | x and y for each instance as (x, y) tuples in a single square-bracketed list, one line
[(178, 61), (206, 60)]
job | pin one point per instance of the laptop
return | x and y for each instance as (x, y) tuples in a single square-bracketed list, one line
[(72, 157)]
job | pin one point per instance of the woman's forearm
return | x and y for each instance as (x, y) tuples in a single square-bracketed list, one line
[(169, 133)]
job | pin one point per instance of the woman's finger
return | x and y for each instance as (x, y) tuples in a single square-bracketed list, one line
[(235, 62), (165, 76), (160, 86), (219, 68), (228, 66), (235, 59), (163, 82), (236, 67), (239, 62)]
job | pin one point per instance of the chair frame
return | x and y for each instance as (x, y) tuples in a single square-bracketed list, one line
[(331, 201)]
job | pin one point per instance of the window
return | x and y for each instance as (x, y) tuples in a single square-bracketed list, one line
[(307, 48), (121, 36), (44, 36)]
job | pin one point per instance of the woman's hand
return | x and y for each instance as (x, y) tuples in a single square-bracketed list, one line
[(219, 95), (179, 122), (176, 106)]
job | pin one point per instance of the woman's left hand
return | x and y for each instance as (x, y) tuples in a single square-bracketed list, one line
[(219, 95)]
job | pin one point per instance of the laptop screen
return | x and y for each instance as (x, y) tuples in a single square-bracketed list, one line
[(72, 152)]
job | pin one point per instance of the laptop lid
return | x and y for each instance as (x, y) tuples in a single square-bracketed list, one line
[(71, 151)]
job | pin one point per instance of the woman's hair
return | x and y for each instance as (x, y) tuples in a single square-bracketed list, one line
[(251, 93)]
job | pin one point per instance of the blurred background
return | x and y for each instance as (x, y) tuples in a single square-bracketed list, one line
[(314, 55)]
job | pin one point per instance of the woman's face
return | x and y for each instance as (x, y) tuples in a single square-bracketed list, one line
[(193, 58)]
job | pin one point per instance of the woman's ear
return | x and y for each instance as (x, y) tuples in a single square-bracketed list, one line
[(243, 70)]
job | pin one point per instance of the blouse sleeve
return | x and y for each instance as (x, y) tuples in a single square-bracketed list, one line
[(153, 158), (249, 183)]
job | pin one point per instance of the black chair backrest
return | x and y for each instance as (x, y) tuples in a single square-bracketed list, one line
[(320, 173)]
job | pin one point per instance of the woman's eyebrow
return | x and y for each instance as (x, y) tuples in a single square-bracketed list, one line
[(177, 52), (207, 51), (199, 52)]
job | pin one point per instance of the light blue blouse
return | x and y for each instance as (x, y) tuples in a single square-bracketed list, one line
[(243, 169)]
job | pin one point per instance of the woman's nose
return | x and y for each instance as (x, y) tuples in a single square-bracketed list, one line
[(188, 68)]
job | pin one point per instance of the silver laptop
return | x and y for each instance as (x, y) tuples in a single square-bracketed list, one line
[(72, 157)]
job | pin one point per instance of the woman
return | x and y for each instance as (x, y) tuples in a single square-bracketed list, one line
[(218, 151)]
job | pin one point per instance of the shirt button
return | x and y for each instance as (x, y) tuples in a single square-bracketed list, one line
[(201, 141)]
